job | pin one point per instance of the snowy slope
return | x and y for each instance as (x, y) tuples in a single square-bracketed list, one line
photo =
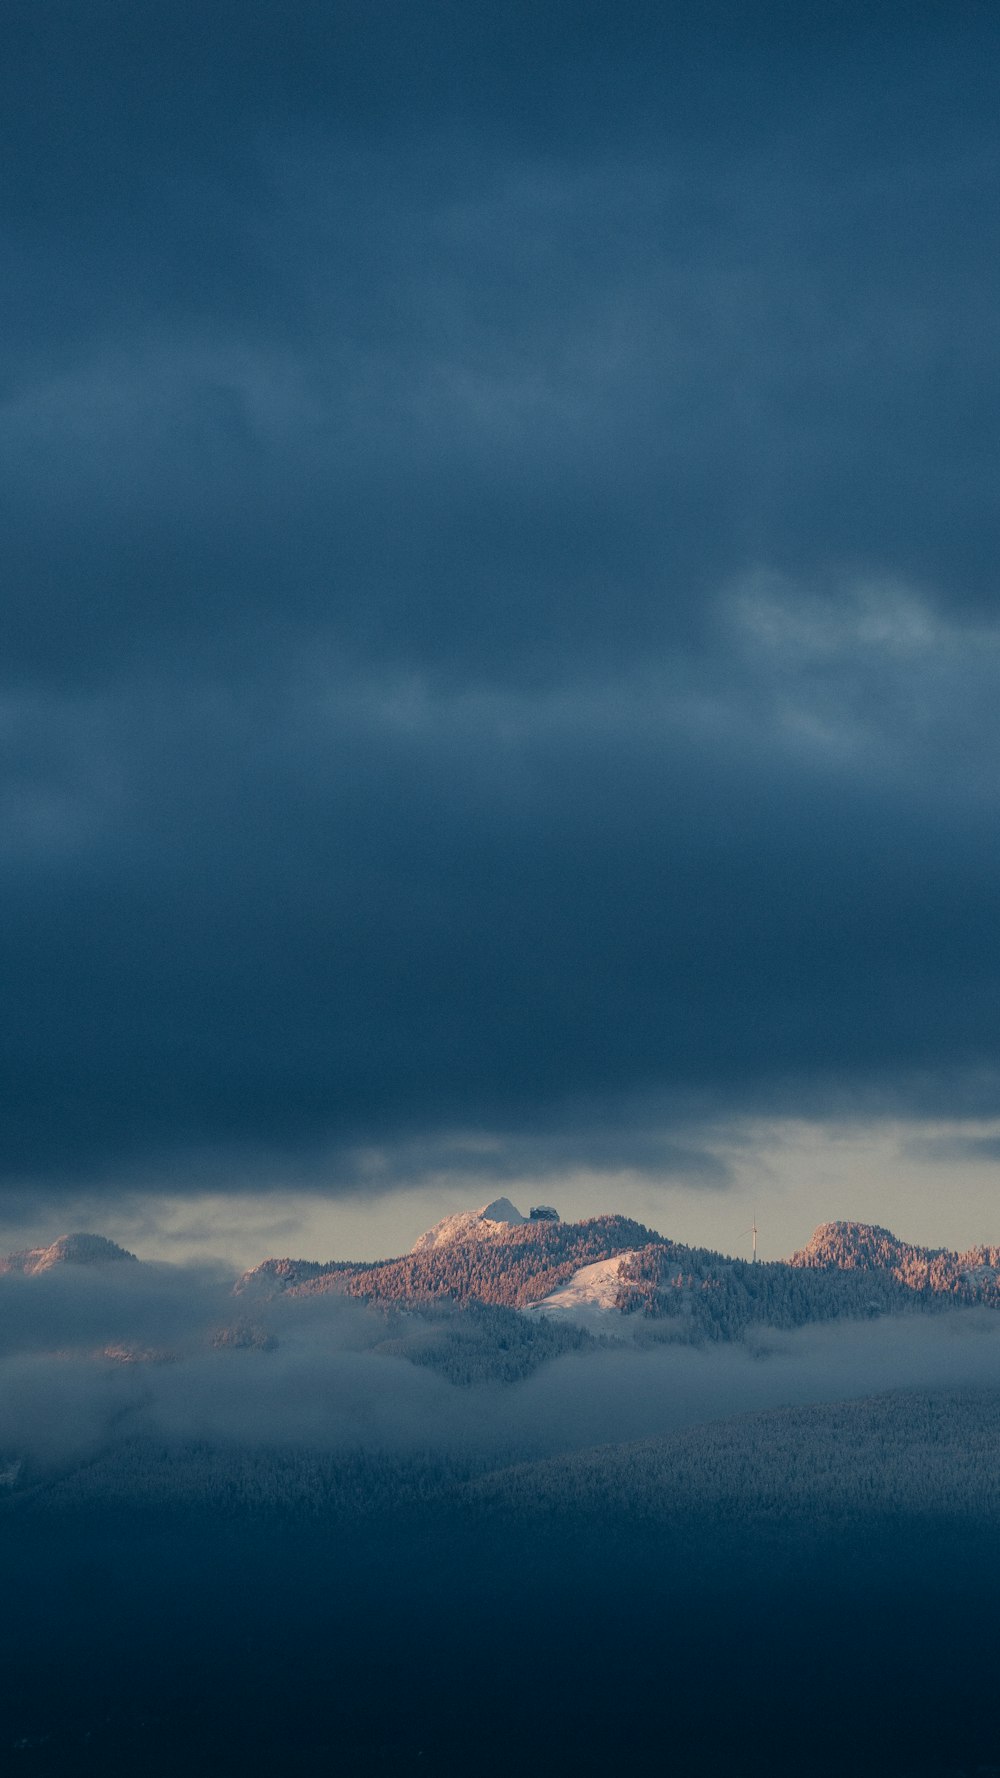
[(589, 1297)]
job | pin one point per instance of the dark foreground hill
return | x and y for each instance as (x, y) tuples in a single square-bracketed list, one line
[(924, 1457), (623, 1608)]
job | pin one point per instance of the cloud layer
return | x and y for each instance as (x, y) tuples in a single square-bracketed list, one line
[(500, 628), (344, 1377)]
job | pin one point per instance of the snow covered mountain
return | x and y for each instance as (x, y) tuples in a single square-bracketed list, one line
[(611, 1276), (864, 1246), (606, 1275), (68, 1250)]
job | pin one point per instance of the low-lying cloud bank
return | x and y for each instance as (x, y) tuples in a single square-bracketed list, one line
[(339, 1378)]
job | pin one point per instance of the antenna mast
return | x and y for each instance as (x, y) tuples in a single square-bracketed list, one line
[(752, 1230)]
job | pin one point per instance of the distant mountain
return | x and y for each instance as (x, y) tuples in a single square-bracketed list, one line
[(858, 1245), (68, 1250), (485, 1260), (608, 1275), (597, 1272), (491, 1221), (863, 1246)]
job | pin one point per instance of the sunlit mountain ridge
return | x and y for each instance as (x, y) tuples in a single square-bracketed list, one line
[(495, 1256)]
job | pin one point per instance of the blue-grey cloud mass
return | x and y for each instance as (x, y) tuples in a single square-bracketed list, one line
[(500, 631)]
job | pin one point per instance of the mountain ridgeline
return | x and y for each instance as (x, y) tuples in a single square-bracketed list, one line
[(497, 1258), (528, 1281)]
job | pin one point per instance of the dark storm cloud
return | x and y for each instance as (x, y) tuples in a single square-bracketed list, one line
[(498, 540)]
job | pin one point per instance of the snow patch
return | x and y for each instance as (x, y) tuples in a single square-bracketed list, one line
[(589, 1298)]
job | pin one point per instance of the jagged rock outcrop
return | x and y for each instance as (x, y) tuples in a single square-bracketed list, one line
[(488, 1221)]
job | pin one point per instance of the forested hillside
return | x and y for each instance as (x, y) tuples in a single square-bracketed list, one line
[(665, 1289), (862, 1246), (520, 1266), (913, 1453), (908, 1454), (703, 1295)]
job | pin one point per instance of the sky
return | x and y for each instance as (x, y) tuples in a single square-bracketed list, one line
[(500, 630)]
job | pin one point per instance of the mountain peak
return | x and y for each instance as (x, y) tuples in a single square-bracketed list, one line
[(853, 1245), (488, 1221), (68, 1250)]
